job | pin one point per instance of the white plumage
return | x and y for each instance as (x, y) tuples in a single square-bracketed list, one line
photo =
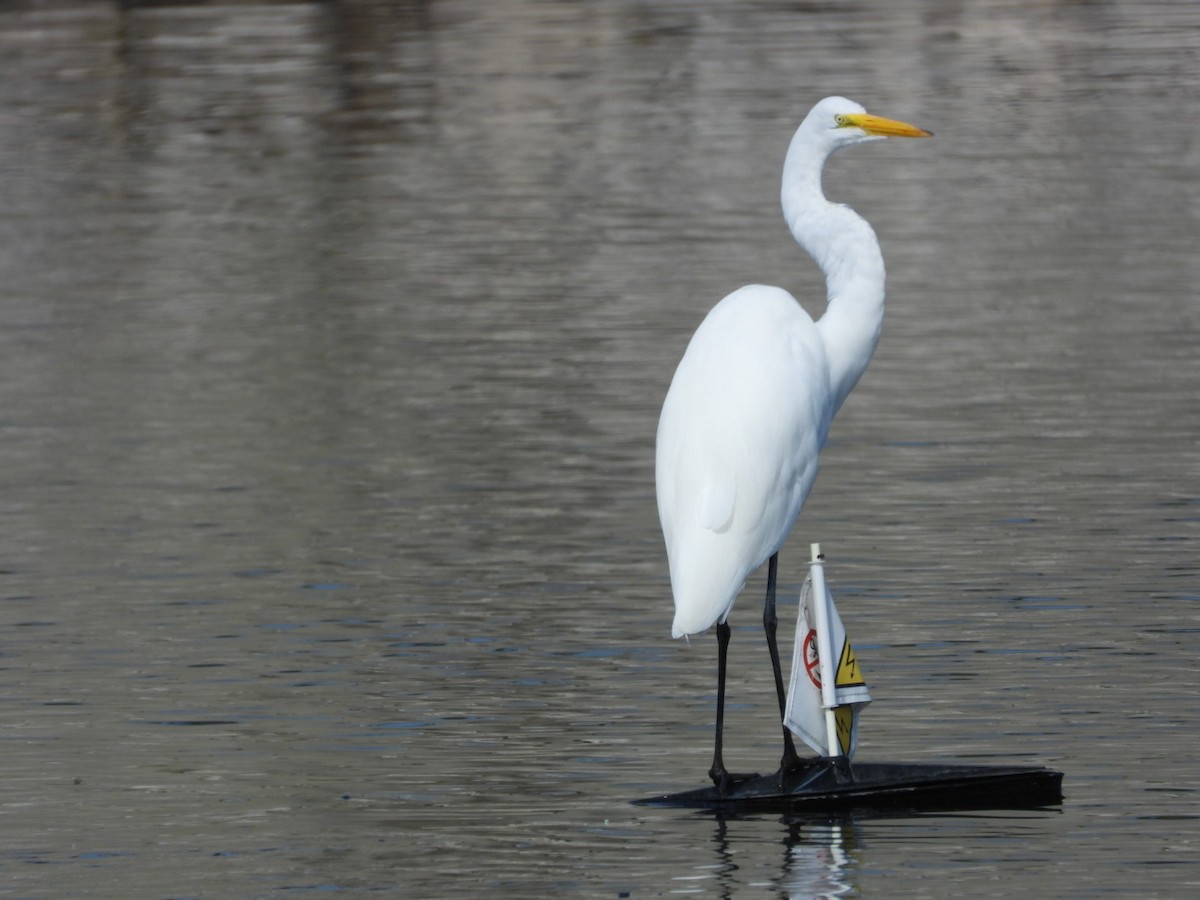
[(734, 468), (751, 402)]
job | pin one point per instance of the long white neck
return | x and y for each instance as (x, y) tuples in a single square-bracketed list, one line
[(845, 247)]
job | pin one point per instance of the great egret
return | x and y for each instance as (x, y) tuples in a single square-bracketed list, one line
[(752, 399)]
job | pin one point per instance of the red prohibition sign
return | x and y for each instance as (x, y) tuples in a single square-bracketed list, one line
[(812, 661)]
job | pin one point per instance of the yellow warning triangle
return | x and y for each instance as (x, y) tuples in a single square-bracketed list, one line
[(843, 717), (848, 672)]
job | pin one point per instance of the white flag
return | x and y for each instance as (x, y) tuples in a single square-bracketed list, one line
[(805, 714)]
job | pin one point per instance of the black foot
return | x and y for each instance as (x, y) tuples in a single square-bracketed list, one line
[(727, 781), (792, 762), (799, 768), (802, 771)]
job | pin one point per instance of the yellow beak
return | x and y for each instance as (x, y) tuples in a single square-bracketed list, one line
[(881, 126)]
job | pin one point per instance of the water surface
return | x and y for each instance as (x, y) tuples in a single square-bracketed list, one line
[(332, 345)]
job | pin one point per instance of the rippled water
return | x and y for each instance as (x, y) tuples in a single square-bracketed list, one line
[(332, 345)]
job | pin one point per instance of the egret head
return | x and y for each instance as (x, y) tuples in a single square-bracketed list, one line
[(838, 122)]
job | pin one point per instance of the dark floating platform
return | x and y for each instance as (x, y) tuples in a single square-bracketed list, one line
[(836, 785)]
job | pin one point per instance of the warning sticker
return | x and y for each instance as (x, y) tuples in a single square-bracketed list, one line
[(848, 672)]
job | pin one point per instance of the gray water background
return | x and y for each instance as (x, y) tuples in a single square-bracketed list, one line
[(332, 340)]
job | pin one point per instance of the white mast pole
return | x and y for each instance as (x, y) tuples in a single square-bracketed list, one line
[(827, 666)]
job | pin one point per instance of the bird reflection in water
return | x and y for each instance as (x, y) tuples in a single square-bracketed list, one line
[(817, 860)]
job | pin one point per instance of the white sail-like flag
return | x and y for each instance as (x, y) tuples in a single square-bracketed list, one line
[(827, 690)]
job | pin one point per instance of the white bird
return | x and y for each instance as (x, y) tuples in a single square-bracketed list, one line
[(752, 399)]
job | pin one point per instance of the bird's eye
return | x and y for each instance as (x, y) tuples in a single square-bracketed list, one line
[(841, 120)]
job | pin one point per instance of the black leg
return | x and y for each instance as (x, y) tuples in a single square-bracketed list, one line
[(722, 778), (771, 626), (717, 773)]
